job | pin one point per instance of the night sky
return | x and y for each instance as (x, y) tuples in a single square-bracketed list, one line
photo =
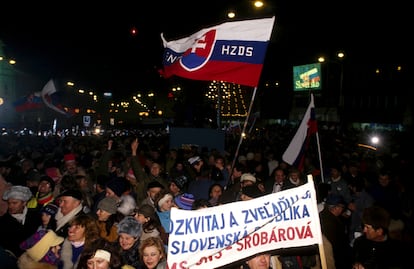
[(92, 45)]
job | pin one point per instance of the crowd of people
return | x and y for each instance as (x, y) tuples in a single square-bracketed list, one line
[(105, 202)]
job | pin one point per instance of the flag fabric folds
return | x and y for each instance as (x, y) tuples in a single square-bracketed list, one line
[(295, 152), (29, 102), (48, 96), (232, 52)]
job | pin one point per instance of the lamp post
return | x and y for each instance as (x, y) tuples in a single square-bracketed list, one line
[(341, 100)]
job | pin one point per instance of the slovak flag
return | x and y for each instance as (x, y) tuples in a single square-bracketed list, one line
[(232, 52), (295, 152)]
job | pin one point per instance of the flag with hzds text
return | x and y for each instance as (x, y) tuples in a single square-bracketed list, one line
[(232, 52)]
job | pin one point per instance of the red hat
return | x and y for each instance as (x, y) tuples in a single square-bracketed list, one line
[(70, 157)]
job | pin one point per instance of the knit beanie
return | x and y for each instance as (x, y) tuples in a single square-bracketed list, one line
[(50, 209), (118, 186), (180, 181), (38, 246), (108, 204)]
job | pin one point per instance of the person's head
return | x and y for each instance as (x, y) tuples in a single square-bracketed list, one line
[(153, 188), (155, 169), (17, 197), (259, 261), (106, 207), (247, 179), (200, 203), (54, 173), (100, 255), (116, 187), (69, 200), (145, 213), (336, 171), (215, 191), (129, 231), (83, 228), (70, 163), (43, 246), (294, 174), (335, 204), (196, 162), (184, 201), (384, 178), (46, 185), (376, 221), (279, 175), (152, 251), (48, 213), (238, 170), (164, 201), (178, 184)]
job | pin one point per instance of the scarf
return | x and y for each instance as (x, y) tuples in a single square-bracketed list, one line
[(62, 220), (45, 199), (21, 217)]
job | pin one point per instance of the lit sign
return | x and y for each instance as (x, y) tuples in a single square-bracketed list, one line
[(307, 77)]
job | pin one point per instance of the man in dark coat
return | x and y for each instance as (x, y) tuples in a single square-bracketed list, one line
[(19, 222)]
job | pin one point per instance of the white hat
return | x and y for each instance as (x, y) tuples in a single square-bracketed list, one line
[(250, 156), (18, 192), (194, 159), (248, 176)]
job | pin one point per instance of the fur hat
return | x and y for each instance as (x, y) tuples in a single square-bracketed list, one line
[(18, 192), (184, 201), (129, 225), (109, 204), (248, 176), (38, 246), (127, 205), (180, 181), (50, 209)]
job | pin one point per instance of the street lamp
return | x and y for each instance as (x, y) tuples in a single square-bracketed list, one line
[(341, 100)]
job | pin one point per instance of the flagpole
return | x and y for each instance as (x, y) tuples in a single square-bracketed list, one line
[(243, 131), (320, 157)]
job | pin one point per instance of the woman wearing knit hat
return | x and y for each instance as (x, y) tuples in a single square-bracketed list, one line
[(184, 201), (108, 218), (48, 213), (178, 185), (151, 224), (41, 251), (129, 231)]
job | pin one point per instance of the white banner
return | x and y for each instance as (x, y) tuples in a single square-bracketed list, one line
[(216, 236)]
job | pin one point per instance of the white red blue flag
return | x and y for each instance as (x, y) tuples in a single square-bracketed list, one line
[(295, 152), (48, 96), (232, 52)]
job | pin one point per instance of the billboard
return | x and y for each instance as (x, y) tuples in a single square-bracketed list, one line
[(307, 77)]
